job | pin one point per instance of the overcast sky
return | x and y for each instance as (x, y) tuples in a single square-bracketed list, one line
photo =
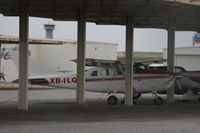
[(150, 40)]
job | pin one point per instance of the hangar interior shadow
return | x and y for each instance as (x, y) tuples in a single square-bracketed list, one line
[(68, 111)]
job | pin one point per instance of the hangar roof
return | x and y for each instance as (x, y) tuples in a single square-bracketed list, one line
[(13, 39), (144, 13), (194, 50)]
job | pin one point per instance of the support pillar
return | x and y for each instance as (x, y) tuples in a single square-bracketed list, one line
[(23, 59), (80, 97), (170, 61), (129, 64), (1, 57)]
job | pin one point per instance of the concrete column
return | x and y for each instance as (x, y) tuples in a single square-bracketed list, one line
[(0, 60), (129, 64), (23, 59), (170, 61), (80, 97)]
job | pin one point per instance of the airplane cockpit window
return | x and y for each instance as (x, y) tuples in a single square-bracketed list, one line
[(138, 66), (105, 72), (94, 73), (179, 69), (117, 71), (111, 72)]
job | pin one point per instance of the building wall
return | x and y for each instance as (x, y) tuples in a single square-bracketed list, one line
[(188, 57), (57, 57), (100, 50), (138, 56), (189, 62), (33, 50)]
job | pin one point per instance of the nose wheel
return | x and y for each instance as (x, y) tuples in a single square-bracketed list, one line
[(158, 101), (112, 100)]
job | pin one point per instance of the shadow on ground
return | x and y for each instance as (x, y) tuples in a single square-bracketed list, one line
[(97, 111)]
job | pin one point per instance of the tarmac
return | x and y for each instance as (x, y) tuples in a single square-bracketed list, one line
[(56, 111)]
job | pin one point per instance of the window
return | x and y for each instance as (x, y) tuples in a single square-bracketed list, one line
[(117, 71), (179, 69), (94, 73), (104, 72)]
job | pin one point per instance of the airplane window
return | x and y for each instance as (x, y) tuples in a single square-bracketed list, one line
[(94, 73), (179, 69), (105, 72), (111, 72), (117, 72)]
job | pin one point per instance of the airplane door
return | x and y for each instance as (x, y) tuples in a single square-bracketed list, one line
[(97, 80)]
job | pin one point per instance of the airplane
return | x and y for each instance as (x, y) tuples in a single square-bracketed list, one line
[(105, 76), (188, 81)]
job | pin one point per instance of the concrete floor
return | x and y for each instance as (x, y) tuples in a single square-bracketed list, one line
[(55, 111)]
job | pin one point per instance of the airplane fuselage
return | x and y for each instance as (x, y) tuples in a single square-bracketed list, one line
[(116, 83)]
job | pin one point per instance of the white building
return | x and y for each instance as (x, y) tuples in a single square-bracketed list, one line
[(188, 57), (58, 57)]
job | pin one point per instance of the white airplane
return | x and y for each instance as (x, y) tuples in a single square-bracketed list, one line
[(106, 76)]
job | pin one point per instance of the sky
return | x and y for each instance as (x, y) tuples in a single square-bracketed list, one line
[(145, 40)]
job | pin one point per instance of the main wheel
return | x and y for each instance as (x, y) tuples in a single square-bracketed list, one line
[(158, 101), (112, 100), (195, 91)]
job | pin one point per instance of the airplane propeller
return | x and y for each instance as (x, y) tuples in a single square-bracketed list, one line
[(2, 75)]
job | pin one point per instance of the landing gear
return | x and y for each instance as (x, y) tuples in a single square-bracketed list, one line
[(195, 91), (158, 101), (136, 95), (112, 100)]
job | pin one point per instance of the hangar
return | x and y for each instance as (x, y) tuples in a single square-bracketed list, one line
[(187, 57), (171, 15)]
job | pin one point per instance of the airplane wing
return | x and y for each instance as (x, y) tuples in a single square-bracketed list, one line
[(99, 62)]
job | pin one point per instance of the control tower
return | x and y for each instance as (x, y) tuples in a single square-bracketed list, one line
[(49, 30)]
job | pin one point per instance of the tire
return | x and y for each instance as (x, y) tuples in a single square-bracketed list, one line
[(158, 101), (112, 100), (195, 91), (199, 99), (137, 96)]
